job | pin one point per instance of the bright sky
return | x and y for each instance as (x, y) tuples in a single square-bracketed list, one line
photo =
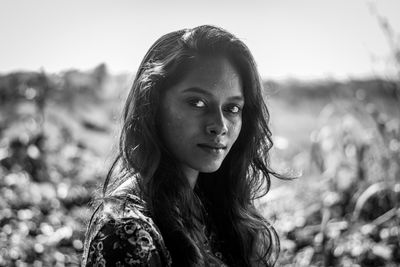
[(297, 38)]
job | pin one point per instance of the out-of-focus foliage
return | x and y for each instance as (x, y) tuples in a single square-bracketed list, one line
[(292, 90), (47, 174), (350, 216), (63, 87)]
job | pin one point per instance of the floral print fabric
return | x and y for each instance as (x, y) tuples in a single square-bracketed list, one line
[(122, 235), (131, 242)]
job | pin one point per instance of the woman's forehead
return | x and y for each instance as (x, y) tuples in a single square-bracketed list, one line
[(213, 73)]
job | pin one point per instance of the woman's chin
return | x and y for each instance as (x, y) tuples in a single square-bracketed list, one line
[(210, 168)]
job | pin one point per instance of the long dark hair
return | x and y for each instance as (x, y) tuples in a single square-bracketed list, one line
[(229, 192)]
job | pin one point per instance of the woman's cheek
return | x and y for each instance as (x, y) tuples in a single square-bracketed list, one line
[(236, 128)]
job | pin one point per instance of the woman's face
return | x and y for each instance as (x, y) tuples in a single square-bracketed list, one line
[(201, 116)]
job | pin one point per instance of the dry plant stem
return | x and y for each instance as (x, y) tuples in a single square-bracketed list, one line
[(386, 216)]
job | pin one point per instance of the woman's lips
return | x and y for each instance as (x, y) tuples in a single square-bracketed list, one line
[(213, 148)]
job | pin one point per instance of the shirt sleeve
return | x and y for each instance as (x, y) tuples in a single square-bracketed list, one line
[(125, 243)]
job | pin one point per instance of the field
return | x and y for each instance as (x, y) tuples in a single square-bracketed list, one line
[(58, 136)]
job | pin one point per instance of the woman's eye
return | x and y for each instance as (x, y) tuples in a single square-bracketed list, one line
[(197, 103), (234, 109)]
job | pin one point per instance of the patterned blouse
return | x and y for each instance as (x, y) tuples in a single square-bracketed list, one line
[(128, 237)]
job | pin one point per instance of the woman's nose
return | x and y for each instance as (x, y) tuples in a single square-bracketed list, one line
[(217, 125)]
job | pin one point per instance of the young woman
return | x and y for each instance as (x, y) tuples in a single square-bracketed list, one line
[(193, 155)]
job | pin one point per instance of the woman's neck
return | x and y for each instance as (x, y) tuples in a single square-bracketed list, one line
[(191, 175)]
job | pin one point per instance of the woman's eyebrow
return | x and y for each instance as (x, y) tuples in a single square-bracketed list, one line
[(205, 92), (237, 98)]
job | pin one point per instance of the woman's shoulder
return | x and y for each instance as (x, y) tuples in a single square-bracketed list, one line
[(126, 236)]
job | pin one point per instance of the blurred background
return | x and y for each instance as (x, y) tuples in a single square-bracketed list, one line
[(331, 72)]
